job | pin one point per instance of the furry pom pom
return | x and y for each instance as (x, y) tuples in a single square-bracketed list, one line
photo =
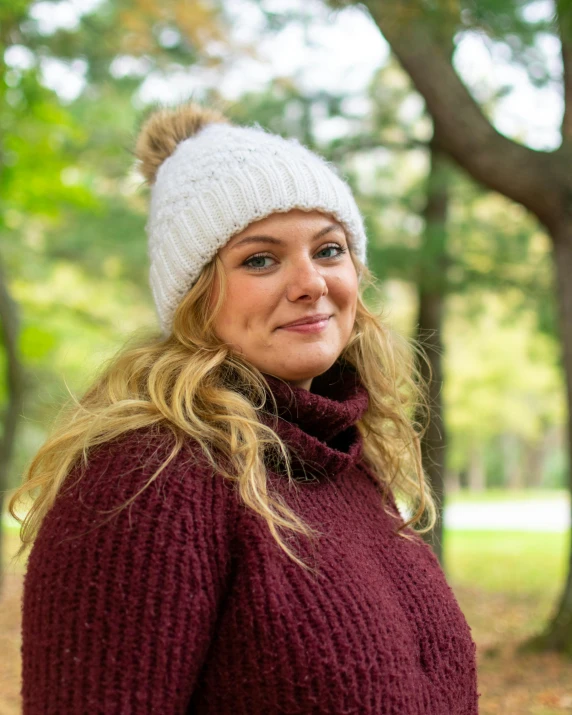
[(164, 129)]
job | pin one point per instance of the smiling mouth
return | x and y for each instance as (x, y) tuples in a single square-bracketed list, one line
[(319, 318), (314, 327)]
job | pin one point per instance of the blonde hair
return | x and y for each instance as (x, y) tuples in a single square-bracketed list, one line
[(187, 382)]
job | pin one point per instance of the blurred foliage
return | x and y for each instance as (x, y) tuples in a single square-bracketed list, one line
[(515, 28), (72, 208), (500, 367)]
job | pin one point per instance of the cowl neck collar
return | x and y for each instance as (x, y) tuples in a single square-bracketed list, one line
[(319, 425)]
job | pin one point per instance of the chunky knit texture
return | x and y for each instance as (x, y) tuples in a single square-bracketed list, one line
[(184, 603), (218, 182)]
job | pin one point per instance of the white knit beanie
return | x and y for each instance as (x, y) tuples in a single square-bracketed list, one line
[(211, 179)]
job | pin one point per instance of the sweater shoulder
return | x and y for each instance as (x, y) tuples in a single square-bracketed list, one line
[(133, 457), (138, 473)]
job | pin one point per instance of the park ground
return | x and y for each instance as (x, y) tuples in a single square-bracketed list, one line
[(506, 582)]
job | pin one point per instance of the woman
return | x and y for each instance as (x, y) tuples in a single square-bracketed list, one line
[(215, 529)]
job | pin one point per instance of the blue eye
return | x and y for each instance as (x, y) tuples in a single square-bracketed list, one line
[(332, 247), (261, 256), (255, 258)]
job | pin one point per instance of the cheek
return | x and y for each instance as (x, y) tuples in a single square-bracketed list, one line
[(344, 294), (344, 291), (247, 301)]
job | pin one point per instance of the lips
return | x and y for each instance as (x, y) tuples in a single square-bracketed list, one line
[(308, 320)]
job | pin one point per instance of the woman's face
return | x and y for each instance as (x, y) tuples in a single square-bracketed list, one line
[(284, 268)]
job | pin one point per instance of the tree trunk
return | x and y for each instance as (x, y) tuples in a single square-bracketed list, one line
[(15, 393), (476, 475), (534, 455), (558, 635), (12, 15), (452, 481), (513, 477), (431, 290)]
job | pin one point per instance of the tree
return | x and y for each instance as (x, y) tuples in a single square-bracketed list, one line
[(418, 33)]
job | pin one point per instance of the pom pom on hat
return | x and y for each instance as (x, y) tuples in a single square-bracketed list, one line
[(164, 129)]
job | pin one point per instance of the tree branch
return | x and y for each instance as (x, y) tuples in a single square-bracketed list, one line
[(532, 178)]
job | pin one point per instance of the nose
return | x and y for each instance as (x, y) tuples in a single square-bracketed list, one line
[(305, 282)]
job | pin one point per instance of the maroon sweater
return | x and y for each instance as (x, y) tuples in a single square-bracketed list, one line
[(184, 603)]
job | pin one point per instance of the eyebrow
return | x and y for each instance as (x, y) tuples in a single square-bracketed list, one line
[(278, 242)]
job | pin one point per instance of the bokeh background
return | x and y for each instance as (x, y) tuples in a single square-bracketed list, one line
[(452, 120)]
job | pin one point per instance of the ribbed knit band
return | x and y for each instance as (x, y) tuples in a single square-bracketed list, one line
[(219, 181)]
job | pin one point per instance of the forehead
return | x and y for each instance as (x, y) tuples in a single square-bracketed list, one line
[(282, 224)]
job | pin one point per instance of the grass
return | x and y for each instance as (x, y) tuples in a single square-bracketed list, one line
[(506, 561)]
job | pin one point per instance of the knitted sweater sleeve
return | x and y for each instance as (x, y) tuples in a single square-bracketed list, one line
[(118, 615)]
